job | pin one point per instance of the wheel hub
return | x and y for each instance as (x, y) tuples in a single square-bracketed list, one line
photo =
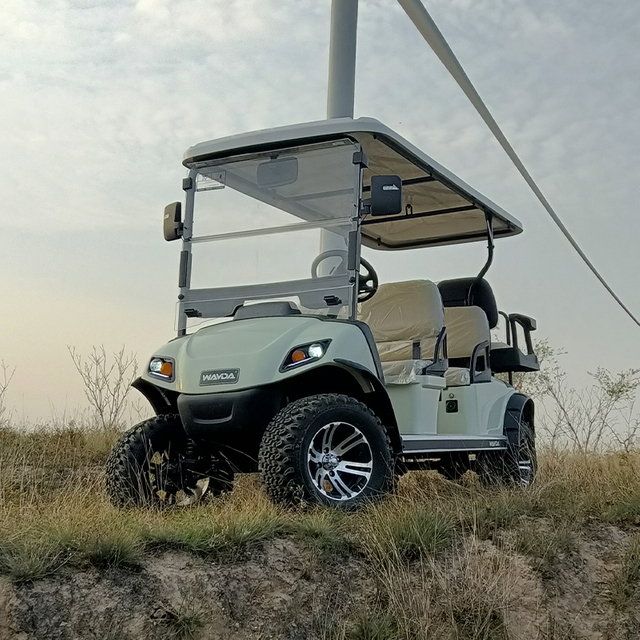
[(330, 461)]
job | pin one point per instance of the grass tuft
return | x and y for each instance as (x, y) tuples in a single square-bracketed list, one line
[(377, 625), (626, 579), (626, 511), (106, 553), (326, 529), (230, 536), (479, 621), (30, 561), (544, 543), (183, 621), (402, 532)]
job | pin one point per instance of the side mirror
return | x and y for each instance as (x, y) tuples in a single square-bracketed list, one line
[(386, 195), (172, 223)]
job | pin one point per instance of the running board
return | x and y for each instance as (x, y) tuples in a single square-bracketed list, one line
[(443, 444)]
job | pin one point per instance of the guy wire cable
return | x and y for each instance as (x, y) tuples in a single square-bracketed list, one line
[(420, 17)]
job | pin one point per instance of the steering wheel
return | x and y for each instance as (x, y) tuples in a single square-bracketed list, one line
[(367, 281)]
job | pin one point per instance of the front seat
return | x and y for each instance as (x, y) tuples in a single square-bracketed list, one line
[(407, 322)]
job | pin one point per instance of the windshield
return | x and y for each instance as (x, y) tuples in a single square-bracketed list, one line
[(273, 225)]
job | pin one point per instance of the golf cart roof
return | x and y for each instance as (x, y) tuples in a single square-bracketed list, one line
[(439, 208)]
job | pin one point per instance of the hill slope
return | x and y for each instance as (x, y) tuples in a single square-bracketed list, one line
[(436, 560)]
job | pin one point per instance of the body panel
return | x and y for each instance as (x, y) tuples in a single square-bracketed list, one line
[(257, 348), (441, 444), (480, 409), (416, 405)]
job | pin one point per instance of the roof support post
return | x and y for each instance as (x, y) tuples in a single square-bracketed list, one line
[(341, 86), (342, 58), (489, 221)]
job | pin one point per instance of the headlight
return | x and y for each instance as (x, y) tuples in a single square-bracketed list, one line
[(162, 368), (305, 353)]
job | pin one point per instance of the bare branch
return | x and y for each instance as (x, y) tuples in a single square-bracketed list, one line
[(5, 380), (106, 382)]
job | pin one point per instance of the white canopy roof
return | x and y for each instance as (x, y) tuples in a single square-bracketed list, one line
[(440, 208)]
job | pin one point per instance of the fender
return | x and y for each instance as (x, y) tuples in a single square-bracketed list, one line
[(520, 408), (371, 392), (162, 401), (376, 398)]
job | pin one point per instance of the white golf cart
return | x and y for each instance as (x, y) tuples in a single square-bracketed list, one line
[(292, 360)]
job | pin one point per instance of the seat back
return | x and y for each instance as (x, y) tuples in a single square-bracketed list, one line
[(468, 340), (463, 292), (466, 328), (405, 318)]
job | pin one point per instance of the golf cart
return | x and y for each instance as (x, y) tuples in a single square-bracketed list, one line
[(291, 358)]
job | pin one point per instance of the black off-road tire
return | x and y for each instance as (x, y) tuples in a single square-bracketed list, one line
[(521, 462), (154, 461), (504, 467), (283, 458)]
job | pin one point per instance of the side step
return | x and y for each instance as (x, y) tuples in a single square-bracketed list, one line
[(448, 443)]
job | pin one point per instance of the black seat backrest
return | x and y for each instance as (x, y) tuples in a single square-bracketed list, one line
[(463, 292)]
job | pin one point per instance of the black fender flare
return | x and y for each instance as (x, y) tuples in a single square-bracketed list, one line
[(162, 401), (520, 408)]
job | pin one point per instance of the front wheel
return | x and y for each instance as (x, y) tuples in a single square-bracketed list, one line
[(329, 449), (155, 463)]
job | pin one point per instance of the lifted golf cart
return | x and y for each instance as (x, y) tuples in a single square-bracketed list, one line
[(291, 359)]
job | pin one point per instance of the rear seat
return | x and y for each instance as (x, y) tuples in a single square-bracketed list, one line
[(468, 293), (470, 314), (468, 339), (407, 322)]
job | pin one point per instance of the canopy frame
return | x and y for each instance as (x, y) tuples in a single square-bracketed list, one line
[(443, 208)]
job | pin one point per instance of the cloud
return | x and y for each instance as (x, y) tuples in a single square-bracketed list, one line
[(101, 98), (106, 100)]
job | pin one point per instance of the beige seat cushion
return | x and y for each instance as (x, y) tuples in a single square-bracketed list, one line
[(466, 328), (457, 377), (403, 371), (403, 349), (402, 313)]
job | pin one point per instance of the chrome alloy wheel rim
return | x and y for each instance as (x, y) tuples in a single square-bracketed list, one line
[(340, 461), (525, 472), (525, 466)]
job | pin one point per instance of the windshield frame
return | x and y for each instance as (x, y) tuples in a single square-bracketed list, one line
[(217, 302)]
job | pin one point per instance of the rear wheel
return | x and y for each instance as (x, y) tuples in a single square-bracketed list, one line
[(517, 465), (521, 460), (329, 449), (155, 463)]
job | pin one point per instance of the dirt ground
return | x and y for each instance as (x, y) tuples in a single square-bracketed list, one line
[(287, 589)]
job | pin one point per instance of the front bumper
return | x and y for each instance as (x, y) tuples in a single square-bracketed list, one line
[(232, 422)]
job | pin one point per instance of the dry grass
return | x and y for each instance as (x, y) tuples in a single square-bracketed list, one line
[(443, 555), (52, 498), (625, 581)]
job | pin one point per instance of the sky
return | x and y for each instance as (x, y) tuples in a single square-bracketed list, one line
[(100, 98)]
